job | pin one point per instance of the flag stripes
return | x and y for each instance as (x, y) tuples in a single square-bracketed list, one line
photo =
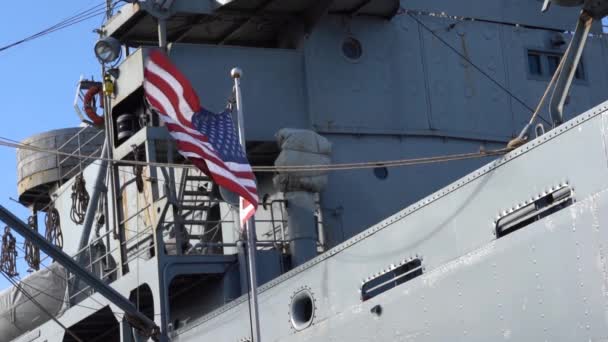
[(173, 98)]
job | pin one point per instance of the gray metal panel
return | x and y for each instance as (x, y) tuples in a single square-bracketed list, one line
[(272, 82), (591, 92), (467, 270), (409, 70), (359, 96), (460, 95), (354, 200), (63, 204), (132, 70)]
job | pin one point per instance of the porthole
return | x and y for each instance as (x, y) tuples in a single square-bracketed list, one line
[(352, 49), (302, 310), (381, 172)]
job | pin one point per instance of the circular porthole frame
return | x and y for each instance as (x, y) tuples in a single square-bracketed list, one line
[(359, 47), (302, 309), (381, 172)]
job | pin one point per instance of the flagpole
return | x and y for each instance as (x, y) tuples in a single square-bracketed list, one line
[(250, 225)]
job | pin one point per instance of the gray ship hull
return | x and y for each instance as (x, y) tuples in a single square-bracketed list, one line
[(548, 280)]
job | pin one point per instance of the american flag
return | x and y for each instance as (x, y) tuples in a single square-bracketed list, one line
[(207, 139)]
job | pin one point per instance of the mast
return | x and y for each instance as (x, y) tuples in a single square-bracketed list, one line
[(236, 74)]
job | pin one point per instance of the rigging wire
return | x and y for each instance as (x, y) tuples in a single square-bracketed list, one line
[(468, 60), (301, 168), (67, 22), (40, 306)]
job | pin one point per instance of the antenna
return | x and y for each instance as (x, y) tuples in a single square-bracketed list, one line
[(108, 9)]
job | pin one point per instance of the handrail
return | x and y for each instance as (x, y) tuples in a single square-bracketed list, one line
[(80, 146), (77, 152)]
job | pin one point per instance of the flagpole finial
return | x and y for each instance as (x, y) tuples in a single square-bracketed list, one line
[(236, 72)]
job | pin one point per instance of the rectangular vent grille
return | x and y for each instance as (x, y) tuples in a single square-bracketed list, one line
[(387, 280), (532, 211)]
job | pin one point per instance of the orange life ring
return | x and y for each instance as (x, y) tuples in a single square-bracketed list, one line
[(88, 105)]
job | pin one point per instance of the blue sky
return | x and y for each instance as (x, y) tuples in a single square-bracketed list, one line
[(39, 79)]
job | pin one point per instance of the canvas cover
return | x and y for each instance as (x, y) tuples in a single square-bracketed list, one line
[(18, 314)]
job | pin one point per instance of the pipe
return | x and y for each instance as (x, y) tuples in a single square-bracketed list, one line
[(162, 34), (228, 244), (568, 71), (240, 247), (301, 221), (236, 74), (98, 188), (114, 187)]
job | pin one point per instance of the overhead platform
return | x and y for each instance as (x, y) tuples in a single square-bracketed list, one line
[(233, 22)]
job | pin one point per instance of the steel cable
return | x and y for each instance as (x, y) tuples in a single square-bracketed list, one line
[(67, 22)]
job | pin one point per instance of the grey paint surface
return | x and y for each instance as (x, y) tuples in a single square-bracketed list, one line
[(475, 287)]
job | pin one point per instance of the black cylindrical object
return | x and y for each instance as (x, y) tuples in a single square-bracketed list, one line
[(126, 126)]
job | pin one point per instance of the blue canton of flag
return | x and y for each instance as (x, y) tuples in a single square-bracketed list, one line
[(220, 130)]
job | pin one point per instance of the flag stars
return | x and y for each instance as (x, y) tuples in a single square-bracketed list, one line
[(220, 130)]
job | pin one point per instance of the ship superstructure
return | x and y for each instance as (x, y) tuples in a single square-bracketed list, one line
[(506, 245)]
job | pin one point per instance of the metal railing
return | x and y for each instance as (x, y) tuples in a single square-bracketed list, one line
[(275, 237), (102, 262), (64, 161)]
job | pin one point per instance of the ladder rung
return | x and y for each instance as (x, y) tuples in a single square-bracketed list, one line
[(197, 222), (195, 207), (198, 178), (196, 193)]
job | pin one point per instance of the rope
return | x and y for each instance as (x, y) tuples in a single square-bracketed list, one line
[(80, 200), (301, 168), (32, 252), (138, 170), (53, 232), (388, 163), (8, 259)]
